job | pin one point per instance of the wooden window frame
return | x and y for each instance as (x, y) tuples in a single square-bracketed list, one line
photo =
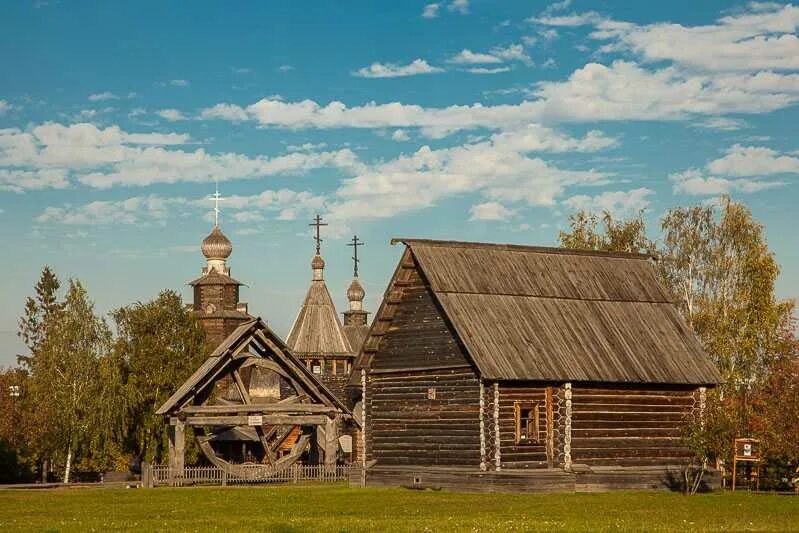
[(535, 407)]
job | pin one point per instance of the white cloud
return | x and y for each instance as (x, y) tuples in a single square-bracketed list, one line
[(400, 135), (4, 107), (483, 70), (722, 124), (144, 210), (498, 169), (179, 83), (136, 210), (459, 6), (229, 112), (513, 52), (306, 147), (172, 115), (393, 70), (430, 11), (20, 180), (694, 182), (595, 92), (618, 203), (99, 97), (46, 155), (285, 68), (755, 39), (467, 57), (569, 21), (490, 211), (746, 161), (625, 91)]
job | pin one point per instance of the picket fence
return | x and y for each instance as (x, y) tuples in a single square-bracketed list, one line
[(160, 475)]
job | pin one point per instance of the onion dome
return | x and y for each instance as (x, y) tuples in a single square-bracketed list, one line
[(355, 293), (216, 245), (317, 263)]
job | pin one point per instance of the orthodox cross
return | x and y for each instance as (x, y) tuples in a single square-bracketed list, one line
[(318, 223), (355, 243), (216, 197)]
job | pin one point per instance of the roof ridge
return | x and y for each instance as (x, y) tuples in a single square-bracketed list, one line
[(520, 248)]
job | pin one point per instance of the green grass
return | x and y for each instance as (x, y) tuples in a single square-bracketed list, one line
[(335, 508)]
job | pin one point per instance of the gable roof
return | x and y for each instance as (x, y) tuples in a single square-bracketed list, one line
[(253, 333), (317, 329), (551, 314)]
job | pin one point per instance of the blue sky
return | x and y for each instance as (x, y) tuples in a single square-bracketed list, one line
[(463, 119)]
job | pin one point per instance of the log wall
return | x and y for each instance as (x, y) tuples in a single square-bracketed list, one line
[(630, 426), (419, 336), (406, 426)]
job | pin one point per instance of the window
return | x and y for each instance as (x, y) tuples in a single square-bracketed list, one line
[(316, 367), (527, 428)]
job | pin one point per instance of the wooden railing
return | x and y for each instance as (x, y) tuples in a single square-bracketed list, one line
[(160, 475)]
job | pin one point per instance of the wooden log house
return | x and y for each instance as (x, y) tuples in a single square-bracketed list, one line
[(502, 367)]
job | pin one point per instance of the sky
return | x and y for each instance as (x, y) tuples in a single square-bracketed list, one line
[(461, 119)]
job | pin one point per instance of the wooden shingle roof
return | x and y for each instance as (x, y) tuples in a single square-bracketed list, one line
[(254, 333), (550, 314), (317, 329)]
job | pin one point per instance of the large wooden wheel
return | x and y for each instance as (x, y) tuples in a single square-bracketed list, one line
[(261, 383)]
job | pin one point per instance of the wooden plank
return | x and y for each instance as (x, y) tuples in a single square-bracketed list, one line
[(238, 420), (263, 408)]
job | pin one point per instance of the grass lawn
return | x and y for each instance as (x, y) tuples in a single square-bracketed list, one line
[(338, 508)]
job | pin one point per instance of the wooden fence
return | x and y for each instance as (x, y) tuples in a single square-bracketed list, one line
[(160, 475)]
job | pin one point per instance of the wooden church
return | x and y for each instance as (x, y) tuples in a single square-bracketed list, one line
[(501, 367)]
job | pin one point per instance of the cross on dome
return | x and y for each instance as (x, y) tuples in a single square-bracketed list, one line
[(355, 243), (216, 198), (318, 224)]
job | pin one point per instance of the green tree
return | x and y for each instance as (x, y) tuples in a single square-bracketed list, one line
[(585, 233), (717, 262), (720, 267), (39, 310), (65, 383), (161, 344)]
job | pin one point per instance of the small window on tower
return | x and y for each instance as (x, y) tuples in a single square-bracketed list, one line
[(316, 367), (527, 425)]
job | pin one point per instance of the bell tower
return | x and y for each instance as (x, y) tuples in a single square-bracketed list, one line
[(216, 294)]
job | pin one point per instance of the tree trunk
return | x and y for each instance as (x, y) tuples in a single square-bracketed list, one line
[(69, 465), (45, 469)]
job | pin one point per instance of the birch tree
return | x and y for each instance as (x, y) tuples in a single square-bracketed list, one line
[(65, 375)]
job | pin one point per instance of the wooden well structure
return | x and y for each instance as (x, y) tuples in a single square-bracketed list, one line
[(252, 401), (503, 367)]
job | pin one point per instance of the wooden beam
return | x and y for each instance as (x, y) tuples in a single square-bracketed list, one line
[(331, 443), (483, 466), (550, 428), (245, 396), (177, 443), (263, 408), (567, 429), (497, 441), (239, 420)]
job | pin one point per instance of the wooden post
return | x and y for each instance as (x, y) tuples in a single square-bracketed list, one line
[(363, 419), (177, 443), (497, 457), (146, 475), (550, 429), (702, 405), (483, 465), (567, 437), (331, 443)]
